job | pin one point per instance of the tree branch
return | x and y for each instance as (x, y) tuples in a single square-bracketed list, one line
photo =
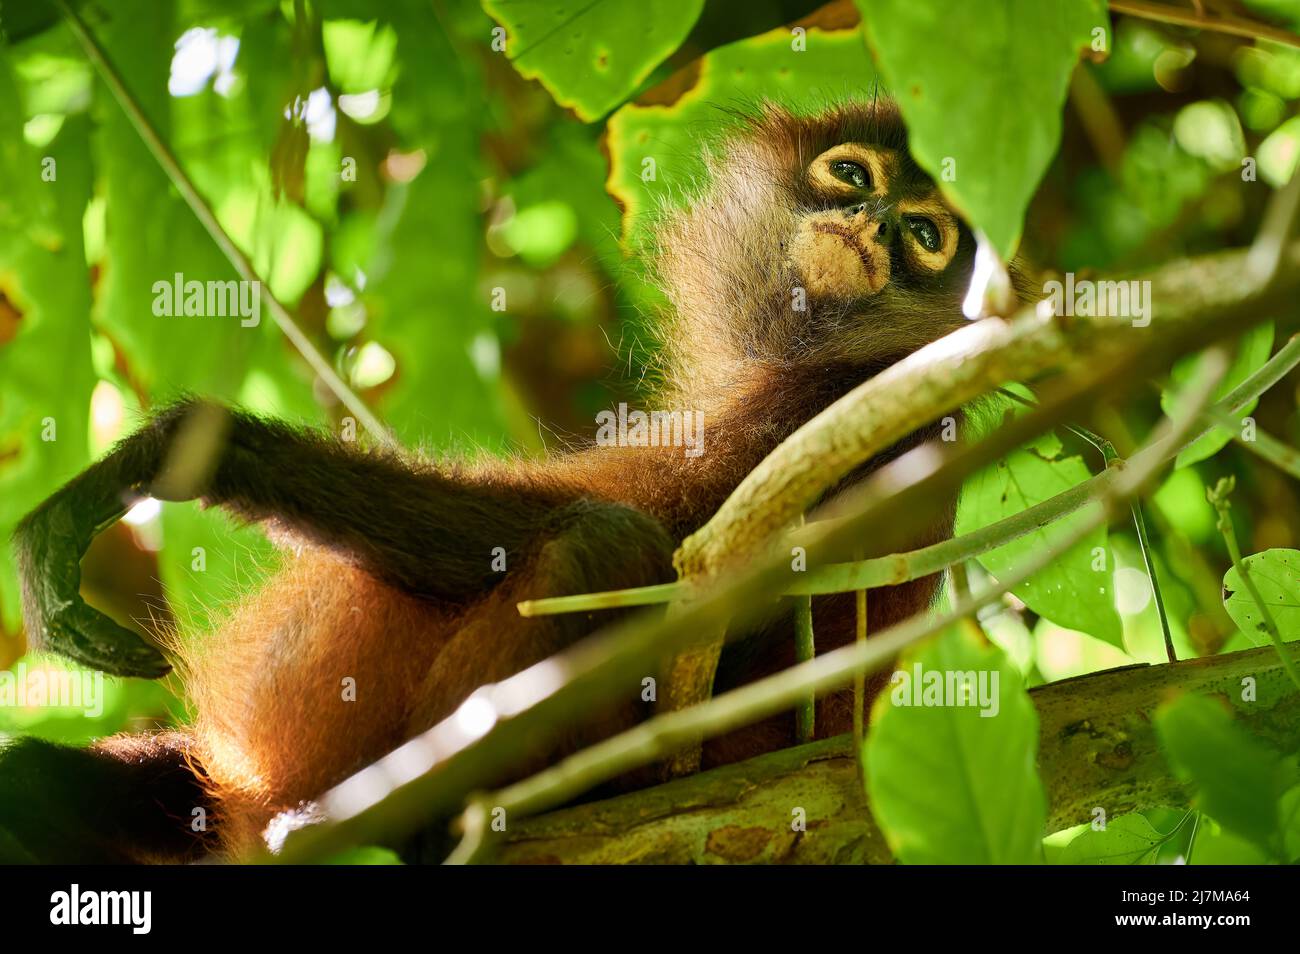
[(941, 377), (1096, 748)]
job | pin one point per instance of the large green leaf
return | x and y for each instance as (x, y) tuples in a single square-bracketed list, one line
[(427, 308), (950, 785), (1070, 592), (1252, 351), (591, 54), (982, 83), (684, 111), (44, 319), (1239, 780), (1276, 574), (150, 233)]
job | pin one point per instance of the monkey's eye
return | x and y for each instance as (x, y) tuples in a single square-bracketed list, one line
[(851, 173), (926, 232)]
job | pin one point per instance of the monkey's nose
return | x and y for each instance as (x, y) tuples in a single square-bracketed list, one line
[(879, 229), (875, 229)]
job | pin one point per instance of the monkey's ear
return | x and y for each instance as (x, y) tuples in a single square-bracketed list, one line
[(129, 801)]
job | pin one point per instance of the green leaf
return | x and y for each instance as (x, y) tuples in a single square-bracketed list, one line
[(1070, 592), (948, 784), (982, 84), (150, 233), (44, 319), (426, 305), (1252, 352), (1289, 813), (669, 129), (1128, 840), (1239, 779), (1214, 845), (1276, 575), (591, 55), (364, 855)]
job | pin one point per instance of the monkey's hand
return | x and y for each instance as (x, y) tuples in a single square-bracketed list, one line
[(51, 541)]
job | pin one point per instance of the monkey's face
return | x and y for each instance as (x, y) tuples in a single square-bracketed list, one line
[(866, 221), (819, 242), (881, 259)]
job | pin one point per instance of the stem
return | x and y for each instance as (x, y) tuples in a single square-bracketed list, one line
[(474, 821), (860, 677), (1139, 521), (1218, 496), (805, 714), (1267, 447), (240, 262), (1191, 839), (1222, 23), (610, 599)]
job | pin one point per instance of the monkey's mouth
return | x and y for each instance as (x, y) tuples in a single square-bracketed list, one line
[(835, 262), (851, 240)]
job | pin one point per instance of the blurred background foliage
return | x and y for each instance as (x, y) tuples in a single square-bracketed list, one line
[(386, 167)]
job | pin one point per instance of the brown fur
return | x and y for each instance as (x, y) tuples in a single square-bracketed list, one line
[(419, 626)]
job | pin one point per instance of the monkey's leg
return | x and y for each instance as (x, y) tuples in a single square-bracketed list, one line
[(127, 799), (417, 529)]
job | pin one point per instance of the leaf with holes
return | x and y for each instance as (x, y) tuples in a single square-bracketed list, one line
[(1128, 840), (592, 55), (1075, 591), (1276, 574)]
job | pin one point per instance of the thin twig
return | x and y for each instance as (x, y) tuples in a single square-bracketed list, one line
[(860, 677), (1220, 23), (805, 648), (1265, 446), (1110, 457)]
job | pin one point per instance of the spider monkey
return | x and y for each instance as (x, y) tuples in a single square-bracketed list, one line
[(818, 255)]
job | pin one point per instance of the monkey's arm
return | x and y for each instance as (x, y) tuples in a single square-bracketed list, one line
[(422, 531)]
